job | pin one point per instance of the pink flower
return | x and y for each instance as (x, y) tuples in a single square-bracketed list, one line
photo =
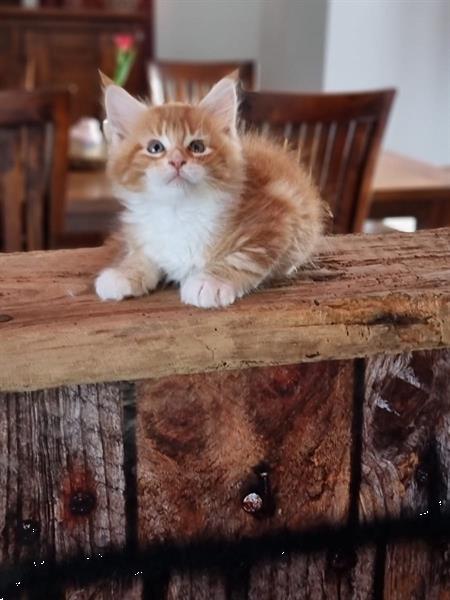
[(124, 42)]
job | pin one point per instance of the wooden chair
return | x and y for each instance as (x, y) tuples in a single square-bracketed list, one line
[(189, 82), (34, 129), (336, 137)]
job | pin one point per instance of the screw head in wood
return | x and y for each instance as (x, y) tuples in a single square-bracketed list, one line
[(28, 531), (82, 503), (252, 503)]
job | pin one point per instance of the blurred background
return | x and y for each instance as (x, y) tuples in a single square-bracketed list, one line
[(175, 49), (330, 45)]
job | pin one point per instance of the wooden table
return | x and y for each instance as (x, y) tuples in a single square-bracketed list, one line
[(402, 187), (406, 187), (269, 441)]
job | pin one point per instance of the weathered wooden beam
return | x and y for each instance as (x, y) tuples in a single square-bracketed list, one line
[(62, 479), (365, 294), (405, 464)]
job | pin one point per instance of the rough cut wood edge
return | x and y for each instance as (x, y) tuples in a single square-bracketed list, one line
[(365, 295)]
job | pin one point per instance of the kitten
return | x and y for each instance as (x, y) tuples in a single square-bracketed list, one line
[(214, 211)]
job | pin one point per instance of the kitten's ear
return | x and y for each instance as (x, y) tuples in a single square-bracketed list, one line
[(105, 80), (222, 102), (122, 112)]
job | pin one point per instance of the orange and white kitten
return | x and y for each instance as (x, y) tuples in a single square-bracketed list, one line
[(214, 211)]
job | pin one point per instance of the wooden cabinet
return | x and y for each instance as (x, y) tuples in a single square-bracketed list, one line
[(61, 46)]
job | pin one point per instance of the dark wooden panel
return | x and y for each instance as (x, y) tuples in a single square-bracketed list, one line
[(204, 442), (36, 174), (61, 476), (201, 586), (405, 463), (10, 72), (417, 570), (318, 576)]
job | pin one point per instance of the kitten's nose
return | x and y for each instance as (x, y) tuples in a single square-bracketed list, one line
[(177, 162)]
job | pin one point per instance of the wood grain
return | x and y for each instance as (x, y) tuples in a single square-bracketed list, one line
[(111, 589), (417, 570), (365, 294), (61, 476), (406, 463), (200, 586), (203, 442), (313, 576), (204, 439)]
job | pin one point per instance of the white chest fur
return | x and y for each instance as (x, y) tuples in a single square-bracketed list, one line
[(176, 229)]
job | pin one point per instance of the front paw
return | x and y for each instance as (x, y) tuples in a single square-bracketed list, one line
[(205, 291), (111, 284)]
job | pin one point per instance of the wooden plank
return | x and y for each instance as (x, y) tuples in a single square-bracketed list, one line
[(417, 570), (405, 461), (205, 442), (203, 586), (365, 294), (61, 476), (314, 576)]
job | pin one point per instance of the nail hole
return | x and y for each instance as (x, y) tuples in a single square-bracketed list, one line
[(82, 503)]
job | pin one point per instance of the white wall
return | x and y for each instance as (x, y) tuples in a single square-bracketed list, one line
[(331, 45), (292, 44), (285, 37), (207, 29), (400, 43)]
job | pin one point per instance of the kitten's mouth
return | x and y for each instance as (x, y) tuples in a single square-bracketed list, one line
[(178, 178)]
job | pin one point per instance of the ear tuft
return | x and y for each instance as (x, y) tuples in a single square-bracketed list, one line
[(222, 103), (105, 80)]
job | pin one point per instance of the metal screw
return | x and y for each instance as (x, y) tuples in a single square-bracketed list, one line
[(252, 503), (82, 502)]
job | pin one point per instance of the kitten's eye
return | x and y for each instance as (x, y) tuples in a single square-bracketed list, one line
[(197, 147), (155, 147)]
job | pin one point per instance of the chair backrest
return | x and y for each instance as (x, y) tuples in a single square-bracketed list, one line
[(189, 82), (33, 164), (336, 137)]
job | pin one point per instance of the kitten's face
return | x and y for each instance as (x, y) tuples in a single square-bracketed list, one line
[(175, 146)]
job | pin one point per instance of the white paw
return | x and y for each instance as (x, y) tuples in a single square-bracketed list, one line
[(205, 291), (111, 284)]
